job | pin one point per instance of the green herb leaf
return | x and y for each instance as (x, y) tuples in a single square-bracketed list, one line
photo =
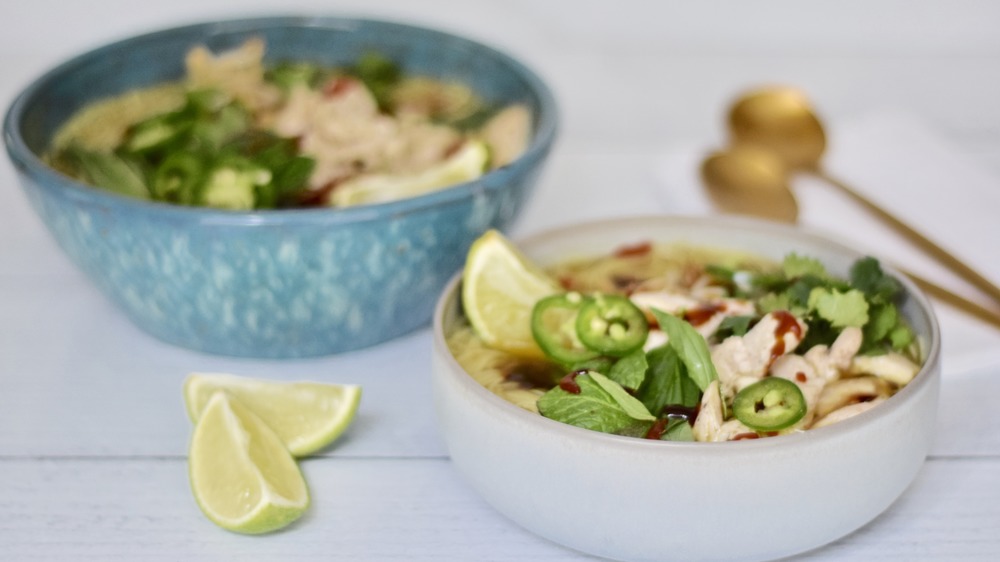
[(720, 273), (881, 321), (110, 171), (667, 381), (840, 309), (901, 337), (630, 371), (287, 75), (799, 292), (796, 266), (593, 408), (691, 347), (868, 277), (599, 364), (734, 326), (773, 302), (677, 430), (632, 406), (178, 179), (769, 281)]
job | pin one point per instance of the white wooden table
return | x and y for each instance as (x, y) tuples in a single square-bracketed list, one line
[(93, 434)]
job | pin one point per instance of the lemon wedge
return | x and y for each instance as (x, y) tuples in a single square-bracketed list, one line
[(468, 163), (242, 476), (499, 289), (305, 415)]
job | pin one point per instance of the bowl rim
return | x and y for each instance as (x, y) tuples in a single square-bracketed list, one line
[(929, 371), (546, 127)]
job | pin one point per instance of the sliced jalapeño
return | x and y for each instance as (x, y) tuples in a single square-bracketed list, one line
[(770, 404), (553, 324), (611, 325)]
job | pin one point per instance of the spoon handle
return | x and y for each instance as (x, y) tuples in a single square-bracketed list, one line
[(944, 295), (937, 252)]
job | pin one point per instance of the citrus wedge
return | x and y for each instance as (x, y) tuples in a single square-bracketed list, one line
[(499, 289), (306, 415), (242, 476), (468, 163)]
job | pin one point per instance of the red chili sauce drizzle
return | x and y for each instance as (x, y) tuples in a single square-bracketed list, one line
[(337, 86), (640, 249), (753, 435), (568, 383), (698, 316), (657, 429), (530, 374), (627, 284), (672, 412), (786, 324)]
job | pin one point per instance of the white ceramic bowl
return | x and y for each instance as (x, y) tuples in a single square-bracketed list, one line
[(636, 499)]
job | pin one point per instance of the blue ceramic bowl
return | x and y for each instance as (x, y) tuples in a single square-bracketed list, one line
[(280, 283)]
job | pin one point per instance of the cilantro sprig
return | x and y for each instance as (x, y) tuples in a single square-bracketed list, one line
[(867, 300)]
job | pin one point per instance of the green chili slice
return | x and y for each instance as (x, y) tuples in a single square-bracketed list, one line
[(178, 178), (611, 325), (553, 324), (770, 404)]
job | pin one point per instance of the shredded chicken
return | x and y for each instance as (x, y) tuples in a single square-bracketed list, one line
[(237, 72), (741, 360), (709, 421), (347, 134), (892, 367), (846, 412)]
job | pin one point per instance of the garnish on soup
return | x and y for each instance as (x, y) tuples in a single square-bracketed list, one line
[(236, 134), (682, 343)]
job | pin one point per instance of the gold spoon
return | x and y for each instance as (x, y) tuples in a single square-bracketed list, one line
[(750, 180), (783, 121)]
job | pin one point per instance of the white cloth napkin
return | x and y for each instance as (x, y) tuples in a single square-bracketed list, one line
[(897, 161)]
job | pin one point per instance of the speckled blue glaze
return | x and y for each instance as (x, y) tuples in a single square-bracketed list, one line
[(285, 283)]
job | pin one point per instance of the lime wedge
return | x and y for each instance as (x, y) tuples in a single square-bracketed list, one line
[(305, 415), (499, 289), (468, 163), (243, 478)]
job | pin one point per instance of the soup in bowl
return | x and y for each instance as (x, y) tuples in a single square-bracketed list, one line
[(281, 186), (735, 425)]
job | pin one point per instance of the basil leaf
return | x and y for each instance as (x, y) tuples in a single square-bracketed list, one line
[(593, 408), (600, 364), (691, 347), (631, 406), (630, 371), (667, 382), (677, 430), (110, 171)]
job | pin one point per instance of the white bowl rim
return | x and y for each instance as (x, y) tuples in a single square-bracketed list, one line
[(24, 157), (928, 372)]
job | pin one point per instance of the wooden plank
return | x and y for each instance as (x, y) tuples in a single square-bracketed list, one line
[(390, 509)]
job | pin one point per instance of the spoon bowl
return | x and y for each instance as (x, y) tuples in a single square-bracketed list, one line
[(750, 180), (781, 120)]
